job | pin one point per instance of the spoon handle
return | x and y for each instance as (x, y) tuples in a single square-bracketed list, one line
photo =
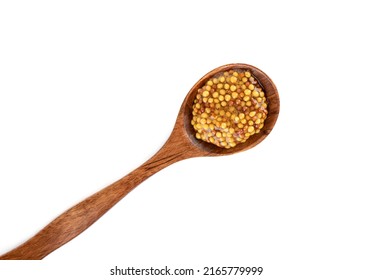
[(78, 218)]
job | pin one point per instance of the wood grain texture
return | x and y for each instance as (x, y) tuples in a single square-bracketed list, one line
[(180, 145)]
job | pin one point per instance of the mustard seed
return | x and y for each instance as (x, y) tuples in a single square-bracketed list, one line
[(233, 79), (255, 93)]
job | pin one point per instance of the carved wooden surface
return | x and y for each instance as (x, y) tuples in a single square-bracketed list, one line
[(181, 145)]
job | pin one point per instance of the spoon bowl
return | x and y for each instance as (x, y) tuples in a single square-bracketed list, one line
[(273, 110), (181, 144)]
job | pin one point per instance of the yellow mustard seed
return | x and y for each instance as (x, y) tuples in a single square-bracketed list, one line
[(251, 87), (252, 113)]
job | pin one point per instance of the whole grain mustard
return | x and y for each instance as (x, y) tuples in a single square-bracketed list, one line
[(229, 108)]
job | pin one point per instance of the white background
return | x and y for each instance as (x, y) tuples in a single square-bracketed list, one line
[(90, 89)]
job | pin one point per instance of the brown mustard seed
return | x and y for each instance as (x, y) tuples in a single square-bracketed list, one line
[(233, 112)]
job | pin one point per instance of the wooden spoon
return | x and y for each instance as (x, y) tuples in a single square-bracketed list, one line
[(181, 144)]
